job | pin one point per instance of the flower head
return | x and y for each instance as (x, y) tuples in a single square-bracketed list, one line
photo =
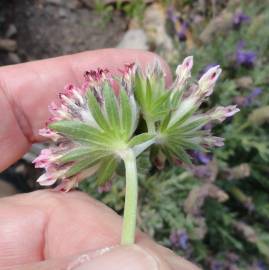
[(208, 81), (221, 113), (252, 96), (90, 125), (95, 126), (205, 69), (179, 239), (171, 14), (182, 32), (240, 18), (246, 58), (201, 157)]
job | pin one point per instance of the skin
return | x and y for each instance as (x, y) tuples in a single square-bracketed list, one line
[(45, 229)]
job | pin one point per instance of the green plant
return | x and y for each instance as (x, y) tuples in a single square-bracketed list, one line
[(96, 129)]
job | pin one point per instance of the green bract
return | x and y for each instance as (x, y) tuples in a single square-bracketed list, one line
[(103, 140)]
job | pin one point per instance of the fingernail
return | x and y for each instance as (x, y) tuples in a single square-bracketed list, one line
[(123, 257)]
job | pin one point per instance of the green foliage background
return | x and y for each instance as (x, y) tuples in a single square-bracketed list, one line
[(214, 235)]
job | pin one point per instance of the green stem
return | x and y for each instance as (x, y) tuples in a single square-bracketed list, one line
[(150, 126), (131, 194)]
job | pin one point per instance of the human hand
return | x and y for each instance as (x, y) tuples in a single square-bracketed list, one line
[(49, 230)]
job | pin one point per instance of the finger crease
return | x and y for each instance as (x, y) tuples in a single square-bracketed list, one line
[(21, 118)]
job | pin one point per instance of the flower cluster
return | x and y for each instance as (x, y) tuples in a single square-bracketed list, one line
[(96, 125), (88, 125)]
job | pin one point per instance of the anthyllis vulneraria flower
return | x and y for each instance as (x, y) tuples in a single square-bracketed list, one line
[(112, 119)]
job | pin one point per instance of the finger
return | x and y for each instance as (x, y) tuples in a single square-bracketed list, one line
[(135, 257), (46, 225), (27, 89)]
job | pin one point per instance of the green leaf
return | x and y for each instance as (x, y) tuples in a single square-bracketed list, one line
[(182, 118), (161, 102), (158, 84), (75, 154), (126, 113), (186, 143), (80, 131), (194, 123), (106, 170), (148, 100), (176, 98), (165, 122), (141, 138), (139, 89), (81, 165), (96, 111), (180, 153), (111, 108)]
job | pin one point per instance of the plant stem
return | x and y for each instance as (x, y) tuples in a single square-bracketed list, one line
[(131, 194), (150, 126)]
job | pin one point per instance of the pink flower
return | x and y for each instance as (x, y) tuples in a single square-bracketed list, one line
[(213, 141), (105, 187), (184, 69), (94, 125), (183, 73), (43, 160), (221, 113), (52, 174), (46, 132), (208, 81)]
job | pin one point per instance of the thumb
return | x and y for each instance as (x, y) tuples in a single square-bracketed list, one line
[(135, 257), (124, 257)]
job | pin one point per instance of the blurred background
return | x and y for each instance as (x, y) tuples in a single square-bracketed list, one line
[(216, 212)]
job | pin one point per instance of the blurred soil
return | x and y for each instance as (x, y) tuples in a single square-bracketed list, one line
[(31, 29)]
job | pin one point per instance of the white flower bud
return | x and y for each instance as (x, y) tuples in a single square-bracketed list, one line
[(183, 71), (221, 113), (207, 81)]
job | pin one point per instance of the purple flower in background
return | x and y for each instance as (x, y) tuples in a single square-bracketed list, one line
[(171, 14), (180, 25), (246, 58), (242, 101), (208, 126), (202, 172), (251, 97), (105, 187), (240, 18), (179, 239), (182, 33), (202, 157), (217, 265), (261, 265)]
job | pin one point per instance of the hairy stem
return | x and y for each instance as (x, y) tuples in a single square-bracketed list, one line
[(131, 194)]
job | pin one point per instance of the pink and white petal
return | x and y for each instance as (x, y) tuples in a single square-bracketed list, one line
[(67, 184), (46, 180)]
